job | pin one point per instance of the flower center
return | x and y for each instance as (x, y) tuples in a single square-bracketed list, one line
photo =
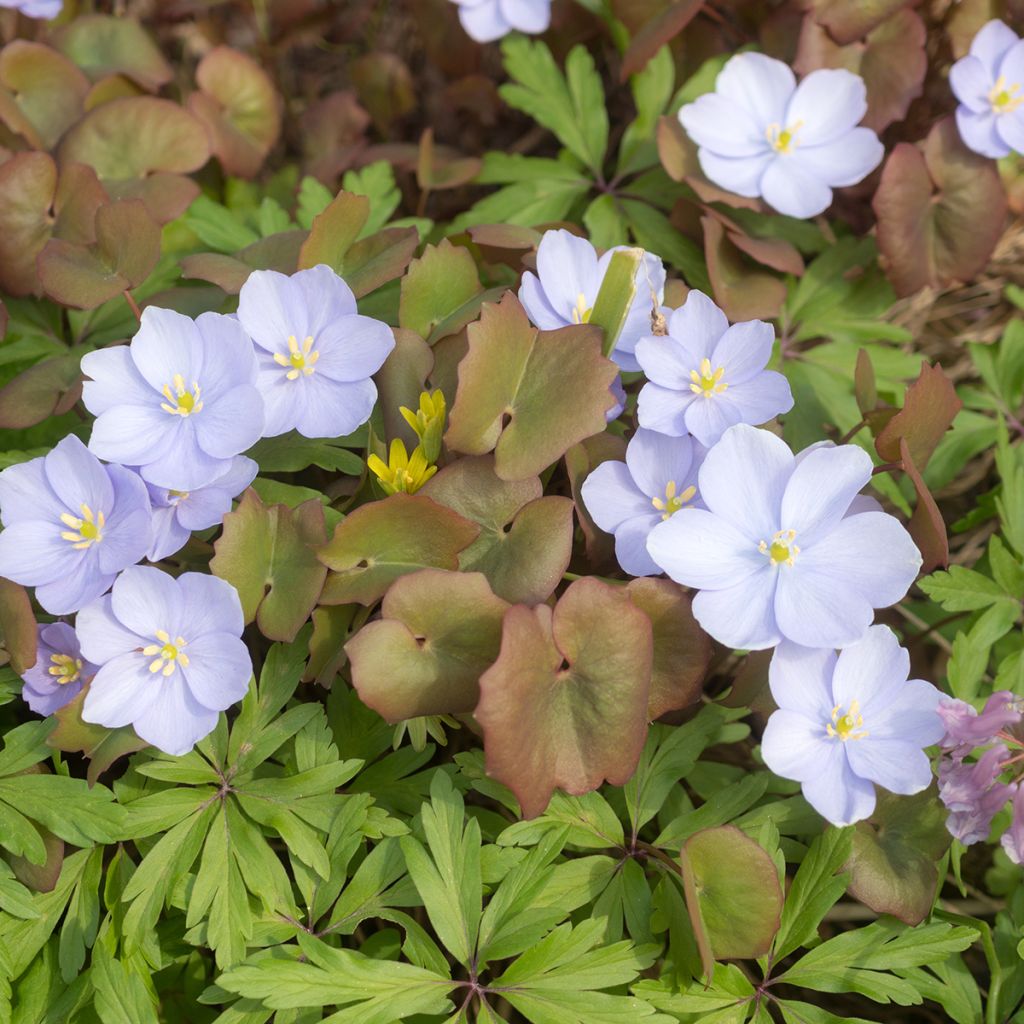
[(782, 550), (707, 382), (85, 531), (65, 668), (845, 727), (177, 497), (166, 655), (783, 140), (181, 401), (581, 313), (1003, 97), (672, 502), (299, 361)]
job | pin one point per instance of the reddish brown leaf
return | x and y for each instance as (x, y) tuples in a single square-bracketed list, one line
[(849, 20), (743, 292), (864, 388), (27, 185), (374, 261), (17, 626), (929, 408), (334, 230), (38, 392), (926, 525), (401, 381), (656, 33)]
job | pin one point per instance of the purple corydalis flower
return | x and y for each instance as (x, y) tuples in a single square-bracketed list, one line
[(60, 671), (778, 554), (487, 20), (988, 84), (706, 376), (170, 656), (569, 276), (973, 793), (628, 499), (177, 513), (179, 402), (316, 353), (1012, 839), (761, 134), (848, 722), (70, 525), (967, 729), (35, 8)]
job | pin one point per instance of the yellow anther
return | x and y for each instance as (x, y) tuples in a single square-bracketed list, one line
[(181, 401), (673, 502), (782, 550), (167, 656), (783, 140), (846, 727), (581, 312), (85, 530), (1004, 98), (707, 382), (402, 472), (299, 361), (65, 668)]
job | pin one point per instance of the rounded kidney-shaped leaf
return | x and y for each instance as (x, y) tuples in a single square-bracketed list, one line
[(27, 185), (102, 45)]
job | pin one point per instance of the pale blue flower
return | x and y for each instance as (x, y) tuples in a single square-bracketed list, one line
[(179, 402), (761, 134), (70, 525), (569, 276), (628, 499), (316, 352), (988, 82), (35, 8), (487, 20), (170, 656), (176, 514), (60, 671), (850, 722), (705, 376), (780, 554)]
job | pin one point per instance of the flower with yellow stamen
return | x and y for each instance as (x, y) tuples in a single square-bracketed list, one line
[(403, 473), (428, 421), (299, 361)]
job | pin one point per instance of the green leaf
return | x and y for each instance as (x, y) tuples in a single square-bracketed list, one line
[(383, 540), (960, 589), (291, 452), (334, 230), (437, 289), (121, 994), (565, 704), (615, 297), (572, 106), (268, 555), (512, 388)]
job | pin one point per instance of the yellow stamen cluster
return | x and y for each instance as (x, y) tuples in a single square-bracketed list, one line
[(783, 140), (673, 502), (181, 401), (428, 421), (65, 668), (403, 473), (582, 312), (300, 361), (707, 382), (84, 531), (782, 550), (1004, 98), (846, 727), (166, 656)]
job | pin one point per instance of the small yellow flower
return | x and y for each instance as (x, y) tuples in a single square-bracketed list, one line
[(403, 472), (428, 422)]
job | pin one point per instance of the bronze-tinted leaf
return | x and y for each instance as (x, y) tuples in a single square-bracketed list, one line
[(334, 230), (17, 626), (528, 395), (438, 632), (27, 185), (655, 33), (240, 108), (565, 704), (383, 540), (373, 261), (41, 877), (849, 20), (268, 554), (926, 525), (682, 650), (438, 286), (929, 409), (385, 87), (401, 381), (525, 538), (743, 292), (79, 197), (940, 211), (102, 45), (40, 391), (331, 130), (580, 461)]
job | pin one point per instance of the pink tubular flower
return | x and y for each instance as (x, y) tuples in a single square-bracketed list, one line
[(967, 729), (973, 794)]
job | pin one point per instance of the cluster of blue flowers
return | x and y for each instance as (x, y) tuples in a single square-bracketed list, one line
[(783, 549), (174, 411)]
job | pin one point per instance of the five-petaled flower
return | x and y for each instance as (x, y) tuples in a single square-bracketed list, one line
[(628, 499), (60, 671), (782, 551), (70, 525), (316, 353), (569, 276), (179, 402), (849, 722), (170, 656), (989, 83), (177, 513), (761, 134), (705, 376), (487, 20)]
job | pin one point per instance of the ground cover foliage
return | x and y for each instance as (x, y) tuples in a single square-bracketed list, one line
[(482, 771)]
